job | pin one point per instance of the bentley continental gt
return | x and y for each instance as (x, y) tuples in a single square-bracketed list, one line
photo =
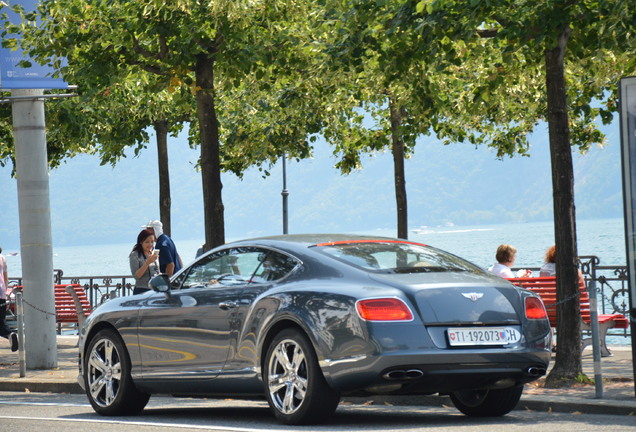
[(303, 320)]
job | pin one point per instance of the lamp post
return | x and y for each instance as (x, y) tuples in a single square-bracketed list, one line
[(285, 194), (36, 246)]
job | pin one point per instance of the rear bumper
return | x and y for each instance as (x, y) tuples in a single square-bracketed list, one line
[(429, 373)]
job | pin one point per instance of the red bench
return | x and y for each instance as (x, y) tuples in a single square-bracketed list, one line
[(71, 303), (546, 288)]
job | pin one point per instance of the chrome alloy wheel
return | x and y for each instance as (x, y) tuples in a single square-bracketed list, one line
[(287, 376), (104, 372)]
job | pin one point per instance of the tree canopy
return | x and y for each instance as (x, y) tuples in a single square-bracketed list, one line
[(213, 50)]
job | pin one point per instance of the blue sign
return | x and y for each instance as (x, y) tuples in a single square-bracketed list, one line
[(13, 76)]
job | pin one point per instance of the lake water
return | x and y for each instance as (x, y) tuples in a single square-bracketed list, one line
[(604, 238)]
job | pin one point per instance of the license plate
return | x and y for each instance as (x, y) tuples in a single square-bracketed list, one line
[(483, 336)]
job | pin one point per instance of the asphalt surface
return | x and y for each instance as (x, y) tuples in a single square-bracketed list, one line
[(616, 395)]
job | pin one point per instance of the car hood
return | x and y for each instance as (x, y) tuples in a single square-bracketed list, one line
[(459, 298)]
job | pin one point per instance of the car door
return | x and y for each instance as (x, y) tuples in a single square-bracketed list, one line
[(273, 270), (187, 335)]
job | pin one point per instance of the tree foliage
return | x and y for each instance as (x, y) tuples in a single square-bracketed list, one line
[(211, 51)]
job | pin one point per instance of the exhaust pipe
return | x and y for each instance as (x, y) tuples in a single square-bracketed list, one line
[(401, 374), (414, 373), (536, 371)]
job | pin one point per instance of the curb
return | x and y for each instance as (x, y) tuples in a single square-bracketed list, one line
[(40, 387), (532, 403), (578, 405)]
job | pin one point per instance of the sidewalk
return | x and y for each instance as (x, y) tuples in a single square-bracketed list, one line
[(618, 391), (63, 379), (619, 394)]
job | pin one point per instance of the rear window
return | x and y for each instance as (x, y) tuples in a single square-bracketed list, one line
[(396, 257)]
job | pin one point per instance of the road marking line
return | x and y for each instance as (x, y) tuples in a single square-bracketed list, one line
[(44, 404), (139, 423)]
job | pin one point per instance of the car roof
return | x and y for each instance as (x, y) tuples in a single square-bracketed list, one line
[(313, 239), (301, 244)]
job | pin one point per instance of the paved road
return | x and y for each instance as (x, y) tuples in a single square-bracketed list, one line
[(37, 412)]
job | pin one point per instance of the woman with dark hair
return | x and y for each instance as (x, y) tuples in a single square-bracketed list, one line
[(143, 260)]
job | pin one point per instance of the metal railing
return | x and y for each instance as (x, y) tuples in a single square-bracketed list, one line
[(611, 286), (612, 289), (98, 288)]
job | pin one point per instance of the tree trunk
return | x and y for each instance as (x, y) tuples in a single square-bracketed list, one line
[(398, 167), (568, 359), (210, 163), (161, 131)]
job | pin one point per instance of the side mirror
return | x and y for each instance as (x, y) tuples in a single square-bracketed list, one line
[(160, 283)]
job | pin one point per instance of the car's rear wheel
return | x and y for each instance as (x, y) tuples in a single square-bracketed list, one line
[(295, 386), (109, 387), (487, 403)]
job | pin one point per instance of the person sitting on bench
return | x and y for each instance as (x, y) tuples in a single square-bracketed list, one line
[(549, 266)]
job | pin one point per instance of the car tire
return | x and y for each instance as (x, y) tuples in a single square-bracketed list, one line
[(487, 403), (296, 389), (107, 379)]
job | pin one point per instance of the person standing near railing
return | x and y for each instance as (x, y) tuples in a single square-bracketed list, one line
[(143, 261), (5, 331), (169, 259)]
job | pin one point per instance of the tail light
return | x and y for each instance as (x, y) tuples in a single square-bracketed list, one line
[(535, 309), (384, 309)]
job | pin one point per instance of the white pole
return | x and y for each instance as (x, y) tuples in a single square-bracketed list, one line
[(35, 228), (596, 344), (19, 309)]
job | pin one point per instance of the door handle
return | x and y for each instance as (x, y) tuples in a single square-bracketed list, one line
[(228, 305)]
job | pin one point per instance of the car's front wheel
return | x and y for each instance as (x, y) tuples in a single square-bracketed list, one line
[(295, 386), (108, 384), (487, 403)]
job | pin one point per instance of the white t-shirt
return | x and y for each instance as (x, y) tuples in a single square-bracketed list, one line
[(548, 269), (501, 270)]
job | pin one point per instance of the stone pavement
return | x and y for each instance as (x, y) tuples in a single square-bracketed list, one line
[(618, 396)]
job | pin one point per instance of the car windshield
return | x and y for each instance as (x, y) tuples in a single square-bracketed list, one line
[(396, 257)]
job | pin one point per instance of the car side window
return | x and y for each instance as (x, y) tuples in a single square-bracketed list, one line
[(178, 281), (224, 268), (273, 266)]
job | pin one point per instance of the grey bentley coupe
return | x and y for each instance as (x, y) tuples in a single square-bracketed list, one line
[(302, 320)]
